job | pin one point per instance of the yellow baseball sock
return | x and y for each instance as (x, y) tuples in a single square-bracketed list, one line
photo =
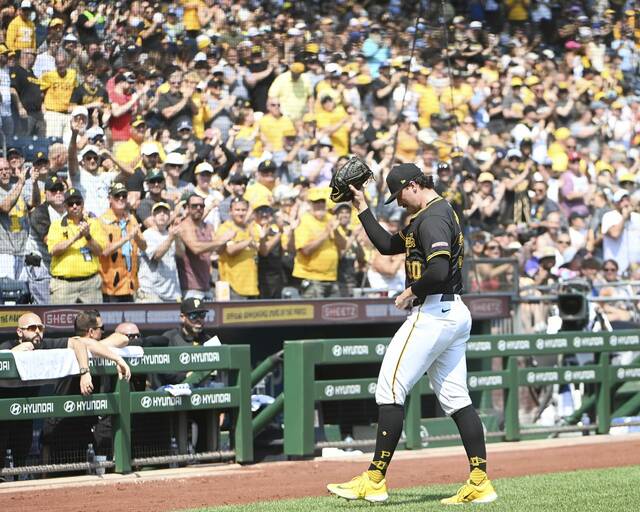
[(375, 475), (477, 476)]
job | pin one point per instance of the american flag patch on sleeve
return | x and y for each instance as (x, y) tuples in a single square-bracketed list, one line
[(439, 244)]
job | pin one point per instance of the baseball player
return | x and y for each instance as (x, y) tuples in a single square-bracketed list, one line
[(432, 339)]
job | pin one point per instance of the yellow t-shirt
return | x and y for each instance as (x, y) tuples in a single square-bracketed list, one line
[(20, 34), (58, 90), (241, 269), (321, 265), (428, 103), (293, 96), (517, 10), (324, 88), (460, 104), (202, 116), (339, 138), (407, 147), (489, 75), (190, 18), (257, 193), (273, 129), (77, 260), (249, 133)]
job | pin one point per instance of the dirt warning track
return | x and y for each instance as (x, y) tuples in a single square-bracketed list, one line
[(201, 486)]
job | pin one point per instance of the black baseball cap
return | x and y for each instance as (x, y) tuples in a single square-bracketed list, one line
[(267, 166), (72, 193), (40, 158), (192, 305), (264, 209), (53, 182), (117, 187), (302, 180), (14, 151), (400, 177), (154, 175)]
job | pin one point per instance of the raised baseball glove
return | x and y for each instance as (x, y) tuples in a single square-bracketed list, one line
[(355, 172)]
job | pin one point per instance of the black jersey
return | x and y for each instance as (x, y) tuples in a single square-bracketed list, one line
[(434, 231)]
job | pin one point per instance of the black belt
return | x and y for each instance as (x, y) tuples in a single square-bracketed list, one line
[(446, 297), (75, 279)]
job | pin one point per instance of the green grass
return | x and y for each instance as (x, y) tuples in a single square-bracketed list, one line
[(604, 490)]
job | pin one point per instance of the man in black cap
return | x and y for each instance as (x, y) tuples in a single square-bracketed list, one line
[(156, 185), (15, 157), (271, 278), (190, 333), (40, 218), (262, 189), (193, 313), (17, 164), (237, 187), (41, 165), (29, 95), (75, 243), (433, 337)]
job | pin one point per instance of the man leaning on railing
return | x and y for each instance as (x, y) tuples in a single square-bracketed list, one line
[(16, 435)]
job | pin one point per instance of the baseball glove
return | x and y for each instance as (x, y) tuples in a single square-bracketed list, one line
[(355, 172)]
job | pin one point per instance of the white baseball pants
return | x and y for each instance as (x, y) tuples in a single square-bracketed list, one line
[(433, 340)]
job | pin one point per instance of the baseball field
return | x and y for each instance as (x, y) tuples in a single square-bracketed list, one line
[(593, 473), (586, 490)]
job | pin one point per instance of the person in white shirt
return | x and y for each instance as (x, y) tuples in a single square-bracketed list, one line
[(577, 231), (86, 175), (158, 274), (621, 230), (212, 198)]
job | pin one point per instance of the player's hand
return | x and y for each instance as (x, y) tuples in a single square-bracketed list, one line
[(405, 299), (358, 200), (124, 372), (86, 385)]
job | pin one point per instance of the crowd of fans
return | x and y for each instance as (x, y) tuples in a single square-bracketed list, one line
[(189, 145)]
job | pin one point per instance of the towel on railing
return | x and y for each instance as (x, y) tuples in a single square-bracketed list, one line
[(132, 351), (46, 364), (212, 342), (57, 363)]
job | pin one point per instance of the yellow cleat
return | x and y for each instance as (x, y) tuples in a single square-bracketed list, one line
[(361, 488), (471, 493)]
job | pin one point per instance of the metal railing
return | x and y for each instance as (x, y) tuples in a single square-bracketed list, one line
[(124, 402), (302, 390)]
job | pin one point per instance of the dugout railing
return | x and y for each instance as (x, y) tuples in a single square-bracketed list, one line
[(302, 391), (235, 396)]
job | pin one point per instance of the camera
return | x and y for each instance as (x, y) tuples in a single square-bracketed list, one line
[(572, 302)]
